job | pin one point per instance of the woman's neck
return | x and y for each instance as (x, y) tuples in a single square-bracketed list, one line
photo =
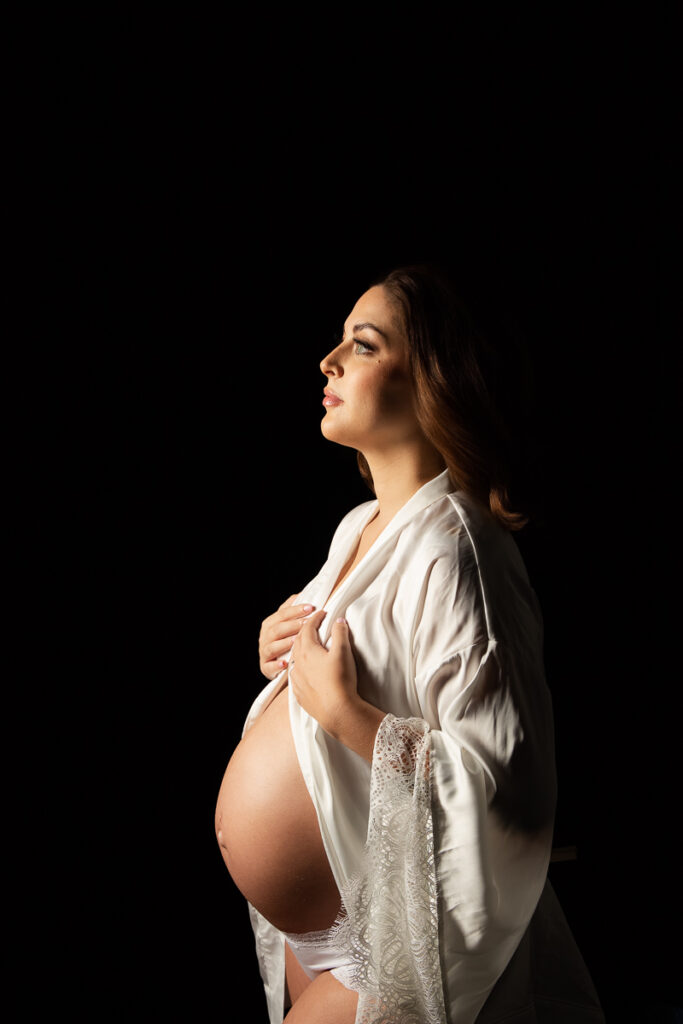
[(397, 476)]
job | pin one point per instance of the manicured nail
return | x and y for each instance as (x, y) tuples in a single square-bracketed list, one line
[(308, 607), (341, 620)]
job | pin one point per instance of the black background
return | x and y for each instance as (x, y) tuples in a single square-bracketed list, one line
[(218, 193)]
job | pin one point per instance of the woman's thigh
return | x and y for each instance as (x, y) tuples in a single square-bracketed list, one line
[(297, 979), (324, 1001)]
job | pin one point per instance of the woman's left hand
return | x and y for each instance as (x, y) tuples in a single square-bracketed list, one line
[(324, 681)]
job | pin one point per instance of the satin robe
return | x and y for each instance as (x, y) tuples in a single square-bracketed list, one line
[(448, 639)]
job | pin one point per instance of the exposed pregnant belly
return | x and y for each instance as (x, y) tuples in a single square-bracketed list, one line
[(269, 833)]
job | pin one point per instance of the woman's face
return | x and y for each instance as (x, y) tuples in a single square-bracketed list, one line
[(369, 399)]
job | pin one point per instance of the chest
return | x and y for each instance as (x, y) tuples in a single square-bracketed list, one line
[(357, 553), (380, 607)]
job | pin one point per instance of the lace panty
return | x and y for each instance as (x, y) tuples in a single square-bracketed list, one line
[(321, 951)]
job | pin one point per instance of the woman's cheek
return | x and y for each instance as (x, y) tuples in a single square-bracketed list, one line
[(396, 399)]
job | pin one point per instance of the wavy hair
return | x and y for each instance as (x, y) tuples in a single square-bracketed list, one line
[(466, 386)]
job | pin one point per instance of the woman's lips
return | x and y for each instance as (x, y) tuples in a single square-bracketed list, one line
[(331, 399)]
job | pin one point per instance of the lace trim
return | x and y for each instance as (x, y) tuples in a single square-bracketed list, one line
[(390, 923), (326, 937)]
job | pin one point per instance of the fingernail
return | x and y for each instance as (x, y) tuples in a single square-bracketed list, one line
[(308, 607), (341, 620)]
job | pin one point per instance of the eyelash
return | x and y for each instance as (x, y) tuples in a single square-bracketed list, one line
[(338, 339), (364, 345)]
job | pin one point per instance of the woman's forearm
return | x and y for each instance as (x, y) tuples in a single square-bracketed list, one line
[(356, 726)]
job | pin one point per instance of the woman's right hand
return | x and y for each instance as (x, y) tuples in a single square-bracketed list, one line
[(278, 633)]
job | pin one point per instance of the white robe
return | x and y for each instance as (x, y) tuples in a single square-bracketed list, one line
[(440, 848)]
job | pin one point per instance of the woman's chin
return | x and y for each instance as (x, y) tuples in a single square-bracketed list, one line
[(330, 431), (338, 437)]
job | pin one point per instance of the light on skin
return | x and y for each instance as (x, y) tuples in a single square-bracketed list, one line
[(370, 372), (369, 406)]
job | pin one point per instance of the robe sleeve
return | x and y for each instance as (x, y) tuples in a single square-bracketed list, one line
[(391, 915), (459, 838)]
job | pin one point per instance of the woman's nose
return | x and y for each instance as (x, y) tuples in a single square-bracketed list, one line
[(331, 365)]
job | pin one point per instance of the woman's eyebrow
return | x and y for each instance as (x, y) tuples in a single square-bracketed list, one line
[(373, 327)]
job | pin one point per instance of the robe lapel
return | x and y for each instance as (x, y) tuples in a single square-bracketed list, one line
[(376, 556)]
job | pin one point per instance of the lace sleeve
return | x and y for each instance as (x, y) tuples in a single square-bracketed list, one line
[(390, 906)]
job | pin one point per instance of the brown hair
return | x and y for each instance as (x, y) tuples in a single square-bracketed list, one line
[(463, 386)]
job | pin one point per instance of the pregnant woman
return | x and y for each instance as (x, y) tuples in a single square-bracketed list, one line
[(388, 813)]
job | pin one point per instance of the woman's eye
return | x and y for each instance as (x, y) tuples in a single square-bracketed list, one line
[(361, 348)]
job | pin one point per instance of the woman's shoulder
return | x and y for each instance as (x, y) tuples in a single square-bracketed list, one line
[(461, 528), (441, 531), (456, 540), (473, 584)]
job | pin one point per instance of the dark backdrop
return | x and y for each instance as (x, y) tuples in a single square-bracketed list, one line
[(219, 196)]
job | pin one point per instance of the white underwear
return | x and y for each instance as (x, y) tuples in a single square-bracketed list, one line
[(318, 952)]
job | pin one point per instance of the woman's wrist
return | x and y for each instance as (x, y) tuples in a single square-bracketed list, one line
[(356, 724)]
